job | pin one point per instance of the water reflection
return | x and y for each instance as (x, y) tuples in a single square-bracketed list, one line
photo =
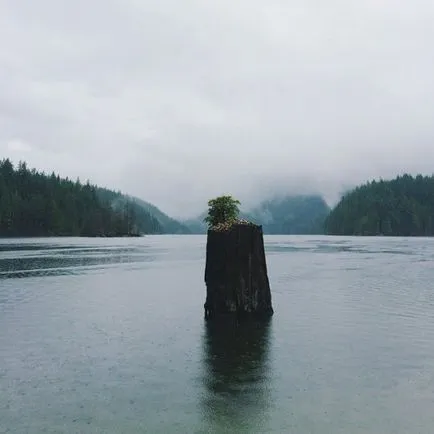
[(19, 261), (236, 376)]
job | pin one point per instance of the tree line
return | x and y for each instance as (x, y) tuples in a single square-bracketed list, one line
[(35, 204), (403, 206)]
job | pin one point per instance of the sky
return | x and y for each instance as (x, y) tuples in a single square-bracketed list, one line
[(180, 101)]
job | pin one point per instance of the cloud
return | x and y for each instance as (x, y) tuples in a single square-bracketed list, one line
[(178, 101), (18, 146)]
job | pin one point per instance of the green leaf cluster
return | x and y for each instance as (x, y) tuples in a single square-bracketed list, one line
[(222, 210)]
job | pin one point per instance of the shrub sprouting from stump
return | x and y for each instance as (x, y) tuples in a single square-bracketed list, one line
[(222, 210)]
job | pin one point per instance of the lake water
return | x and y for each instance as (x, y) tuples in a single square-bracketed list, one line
[(108, 336)]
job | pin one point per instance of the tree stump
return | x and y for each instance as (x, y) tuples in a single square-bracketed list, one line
[(236, 272)]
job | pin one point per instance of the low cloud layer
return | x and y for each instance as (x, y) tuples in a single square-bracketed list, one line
[(178, 101)]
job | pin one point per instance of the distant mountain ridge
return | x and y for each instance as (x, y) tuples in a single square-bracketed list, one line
[(301, 214), (156, 219), (169, 225), (295, 214)]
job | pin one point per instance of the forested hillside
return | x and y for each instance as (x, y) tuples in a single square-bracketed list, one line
[(36, 204), (402, 207)]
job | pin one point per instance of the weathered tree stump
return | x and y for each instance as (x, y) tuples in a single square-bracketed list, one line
[(236, 272)]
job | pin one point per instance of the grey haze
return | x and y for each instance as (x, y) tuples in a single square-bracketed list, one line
[(176, 101)]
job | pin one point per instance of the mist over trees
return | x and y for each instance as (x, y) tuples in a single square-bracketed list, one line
[(295, 214), (33, 203)]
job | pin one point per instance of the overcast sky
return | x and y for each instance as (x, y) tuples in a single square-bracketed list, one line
[(178, 101)]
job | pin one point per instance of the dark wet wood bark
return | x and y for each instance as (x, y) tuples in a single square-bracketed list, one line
[(236, 273)]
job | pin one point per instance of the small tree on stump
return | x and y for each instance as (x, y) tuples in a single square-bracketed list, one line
[(222, 209)]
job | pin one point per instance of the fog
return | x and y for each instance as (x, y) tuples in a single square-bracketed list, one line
[(176, 102)]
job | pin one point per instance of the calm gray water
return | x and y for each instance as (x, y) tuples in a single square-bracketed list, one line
[(108, 336)]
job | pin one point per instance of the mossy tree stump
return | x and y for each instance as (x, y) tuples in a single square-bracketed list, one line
[(236, 271)]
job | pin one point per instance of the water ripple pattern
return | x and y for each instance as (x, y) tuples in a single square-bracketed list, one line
[(108, 336)]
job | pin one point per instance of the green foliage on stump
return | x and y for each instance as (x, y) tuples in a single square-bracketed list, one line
[(222, 210)]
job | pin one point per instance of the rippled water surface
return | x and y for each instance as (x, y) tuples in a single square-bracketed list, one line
[(108, 336)]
